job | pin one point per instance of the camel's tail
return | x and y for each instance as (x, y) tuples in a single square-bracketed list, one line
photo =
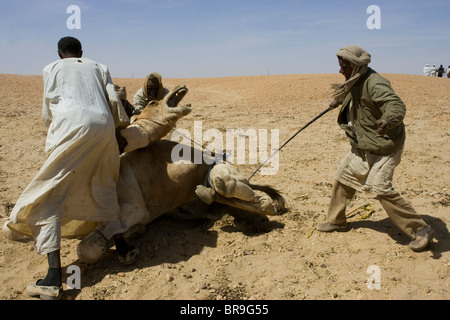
[(279, 202)]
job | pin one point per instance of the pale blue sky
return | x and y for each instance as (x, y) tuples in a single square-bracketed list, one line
[(215, 38)]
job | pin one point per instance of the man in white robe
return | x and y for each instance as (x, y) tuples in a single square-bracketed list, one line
[(427, 70), (433, 71), (75, 189)]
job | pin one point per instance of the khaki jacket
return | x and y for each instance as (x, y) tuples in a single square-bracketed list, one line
[(373, 98)]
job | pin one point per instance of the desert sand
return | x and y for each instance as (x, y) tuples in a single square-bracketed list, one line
[(281, 258)]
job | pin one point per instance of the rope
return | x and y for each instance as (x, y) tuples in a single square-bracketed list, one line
[(278, 150), (332, 106), (225, 155), (364, 212)]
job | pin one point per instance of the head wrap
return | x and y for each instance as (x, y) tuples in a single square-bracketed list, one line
[(154, 77), (359, 60)]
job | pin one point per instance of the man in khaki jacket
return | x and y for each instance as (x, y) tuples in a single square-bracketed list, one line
[(372, 118)]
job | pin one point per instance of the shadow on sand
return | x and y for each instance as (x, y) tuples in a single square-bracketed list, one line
[(439, 245), (173, 238)]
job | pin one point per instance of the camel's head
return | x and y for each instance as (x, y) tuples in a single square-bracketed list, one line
[(156, 120), (171, 102), (175, 96)]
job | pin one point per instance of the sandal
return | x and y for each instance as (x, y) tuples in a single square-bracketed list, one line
[(44, 292), (130, 257)]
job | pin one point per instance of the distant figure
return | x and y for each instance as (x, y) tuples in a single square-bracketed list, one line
[(427, 70), (440, 71), (433, 71), (448, 72)]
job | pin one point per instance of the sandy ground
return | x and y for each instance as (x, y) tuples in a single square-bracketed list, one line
[(279, 259)]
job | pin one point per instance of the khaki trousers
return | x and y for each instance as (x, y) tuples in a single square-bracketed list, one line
[(401, 213)]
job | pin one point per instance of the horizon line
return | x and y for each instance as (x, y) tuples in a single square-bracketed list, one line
[(239, 76)]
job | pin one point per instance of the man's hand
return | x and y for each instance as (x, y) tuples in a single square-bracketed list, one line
[(382, 126), (333, 104)]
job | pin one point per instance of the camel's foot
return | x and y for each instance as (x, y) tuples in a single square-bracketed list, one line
[(267, 206), (92, 247), (207, 195)]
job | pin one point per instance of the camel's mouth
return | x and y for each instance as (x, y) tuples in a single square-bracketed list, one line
[(176, 96)]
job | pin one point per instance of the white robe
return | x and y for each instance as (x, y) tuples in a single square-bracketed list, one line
[(78, 179)]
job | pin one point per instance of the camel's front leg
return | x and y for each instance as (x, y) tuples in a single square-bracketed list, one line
[(135, 136), (264, 206)]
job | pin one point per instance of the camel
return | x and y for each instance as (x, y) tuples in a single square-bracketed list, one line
[(151, 183)]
